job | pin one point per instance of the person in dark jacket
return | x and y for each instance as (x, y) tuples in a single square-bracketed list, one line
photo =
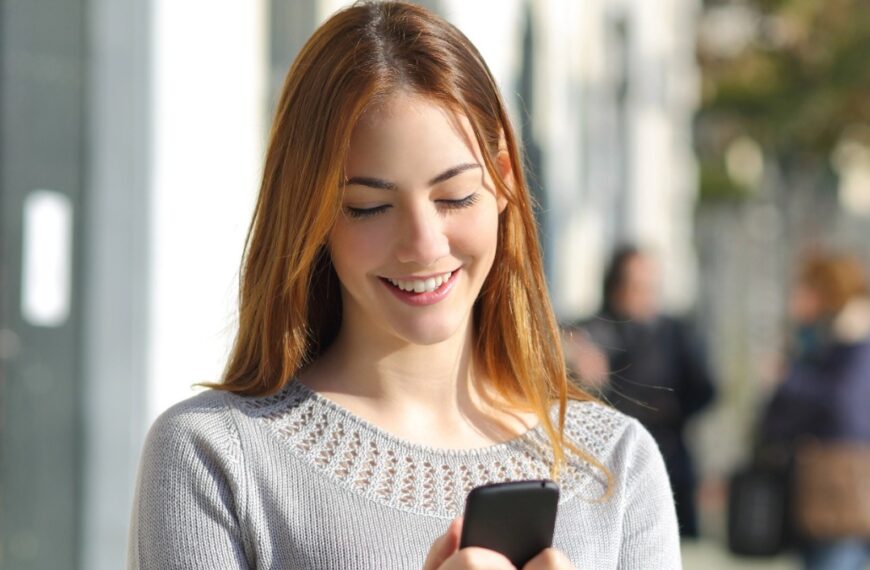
[(647, 365), (825, 393)]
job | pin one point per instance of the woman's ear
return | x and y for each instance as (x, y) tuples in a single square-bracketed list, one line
[(506, 172)]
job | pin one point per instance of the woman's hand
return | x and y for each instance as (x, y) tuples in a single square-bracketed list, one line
[(585, 359), (445, 555), (549, 559)]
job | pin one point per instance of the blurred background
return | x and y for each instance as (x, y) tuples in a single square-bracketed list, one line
[(725, 137)]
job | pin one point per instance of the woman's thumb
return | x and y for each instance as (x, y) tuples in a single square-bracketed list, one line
[(444, 546)]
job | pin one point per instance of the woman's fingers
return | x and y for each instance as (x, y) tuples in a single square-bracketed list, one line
[(473, 558), (445, 554), (549, 559), (444, 546)]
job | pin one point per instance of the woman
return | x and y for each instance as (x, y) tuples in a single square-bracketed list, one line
[(396, 345), (825, 394)]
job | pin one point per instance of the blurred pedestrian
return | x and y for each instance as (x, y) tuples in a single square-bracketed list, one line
[(651, 368), (825, 394)]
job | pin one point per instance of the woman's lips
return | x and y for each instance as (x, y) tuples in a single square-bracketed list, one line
[(427, 297)]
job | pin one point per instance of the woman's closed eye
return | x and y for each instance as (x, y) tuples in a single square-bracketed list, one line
[(360, 213), (469, 200)]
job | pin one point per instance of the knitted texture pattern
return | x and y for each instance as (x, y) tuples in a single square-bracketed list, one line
[(295, 481)]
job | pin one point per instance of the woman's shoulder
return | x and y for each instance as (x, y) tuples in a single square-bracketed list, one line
[(219, 418), (201, 408), (619, 441), (600, 421), (201, 421)]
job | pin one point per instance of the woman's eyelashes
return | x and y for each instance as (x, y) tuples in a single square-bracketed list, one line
[(360, 213), (466, 202)]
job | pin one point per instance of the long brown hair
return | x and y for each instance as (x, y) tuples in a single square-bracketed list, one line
[(290, 303)]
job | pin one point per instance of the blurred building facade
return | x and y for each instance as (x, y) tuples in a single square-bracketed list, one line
[(615, 87), (770, 200), (133, 135)]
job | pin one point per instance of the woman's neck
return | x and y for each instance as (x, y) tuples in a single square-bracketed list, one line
[(427, 394), (395, 378)]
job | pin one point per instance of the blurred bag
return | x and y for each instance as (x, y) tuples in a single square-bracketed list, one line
[(832, 489), (758, 521)]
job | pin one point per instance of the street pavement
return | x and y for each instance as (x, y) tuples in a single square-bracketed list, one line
[(709, 555)]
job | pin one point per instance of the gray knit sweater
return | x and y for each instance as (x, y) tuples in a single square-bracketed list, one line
[(294, 481)]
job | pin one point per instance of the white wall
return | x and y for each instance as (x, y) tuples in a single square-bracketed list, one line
[(209, 77), (584, 168)]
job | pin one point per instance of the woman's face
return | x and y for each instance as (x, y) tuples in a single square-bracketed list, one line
[(637, 297), (418, 230), (805, 305)]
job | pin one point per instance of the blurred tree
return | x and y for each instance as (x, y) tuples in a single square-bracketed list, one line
[(791, 75)]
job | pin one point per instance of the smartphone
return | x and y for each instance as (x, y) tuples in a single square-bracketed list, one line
[(516, 518)]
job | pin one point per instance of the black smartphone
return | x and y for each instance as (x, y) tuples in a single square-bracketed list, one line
[(516, 518)]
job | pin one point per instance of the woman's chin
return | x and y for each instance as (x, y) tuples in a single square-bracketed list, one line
[(429, 333)]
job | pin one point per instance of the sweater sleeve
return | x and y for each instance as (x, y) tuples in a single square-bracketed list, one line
[(185, 511), (650, 533)]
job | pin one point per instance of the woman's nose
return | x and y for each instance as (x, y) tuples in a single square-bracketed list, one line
[(422, 240)]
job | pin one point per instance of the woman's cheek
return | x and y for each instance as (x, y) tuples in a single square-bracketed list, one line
[(360, 240), (484, 222)]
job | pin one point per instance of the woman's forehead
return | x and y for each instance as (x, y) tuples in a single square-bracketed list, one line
[(409, 105), (411, 127)]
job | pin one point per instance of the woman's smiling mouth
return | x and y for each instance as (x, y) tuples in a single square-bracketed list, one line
[(424, 290), (426, 285)]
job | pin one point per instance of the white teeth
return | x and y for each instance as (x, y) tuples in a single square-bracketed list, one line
[(422, 285)]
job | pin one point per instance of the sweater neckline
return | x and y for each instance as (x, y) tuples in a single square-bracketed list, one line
[(375, 464), (534, 433)]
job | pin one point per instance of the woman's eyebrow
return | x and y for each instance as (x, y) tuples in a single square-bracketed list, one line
[(381, 184), (451, 172), (370, 182)]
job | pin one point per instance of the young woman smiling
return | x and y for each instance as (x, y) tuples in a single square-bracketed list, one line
[(396, 343)]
